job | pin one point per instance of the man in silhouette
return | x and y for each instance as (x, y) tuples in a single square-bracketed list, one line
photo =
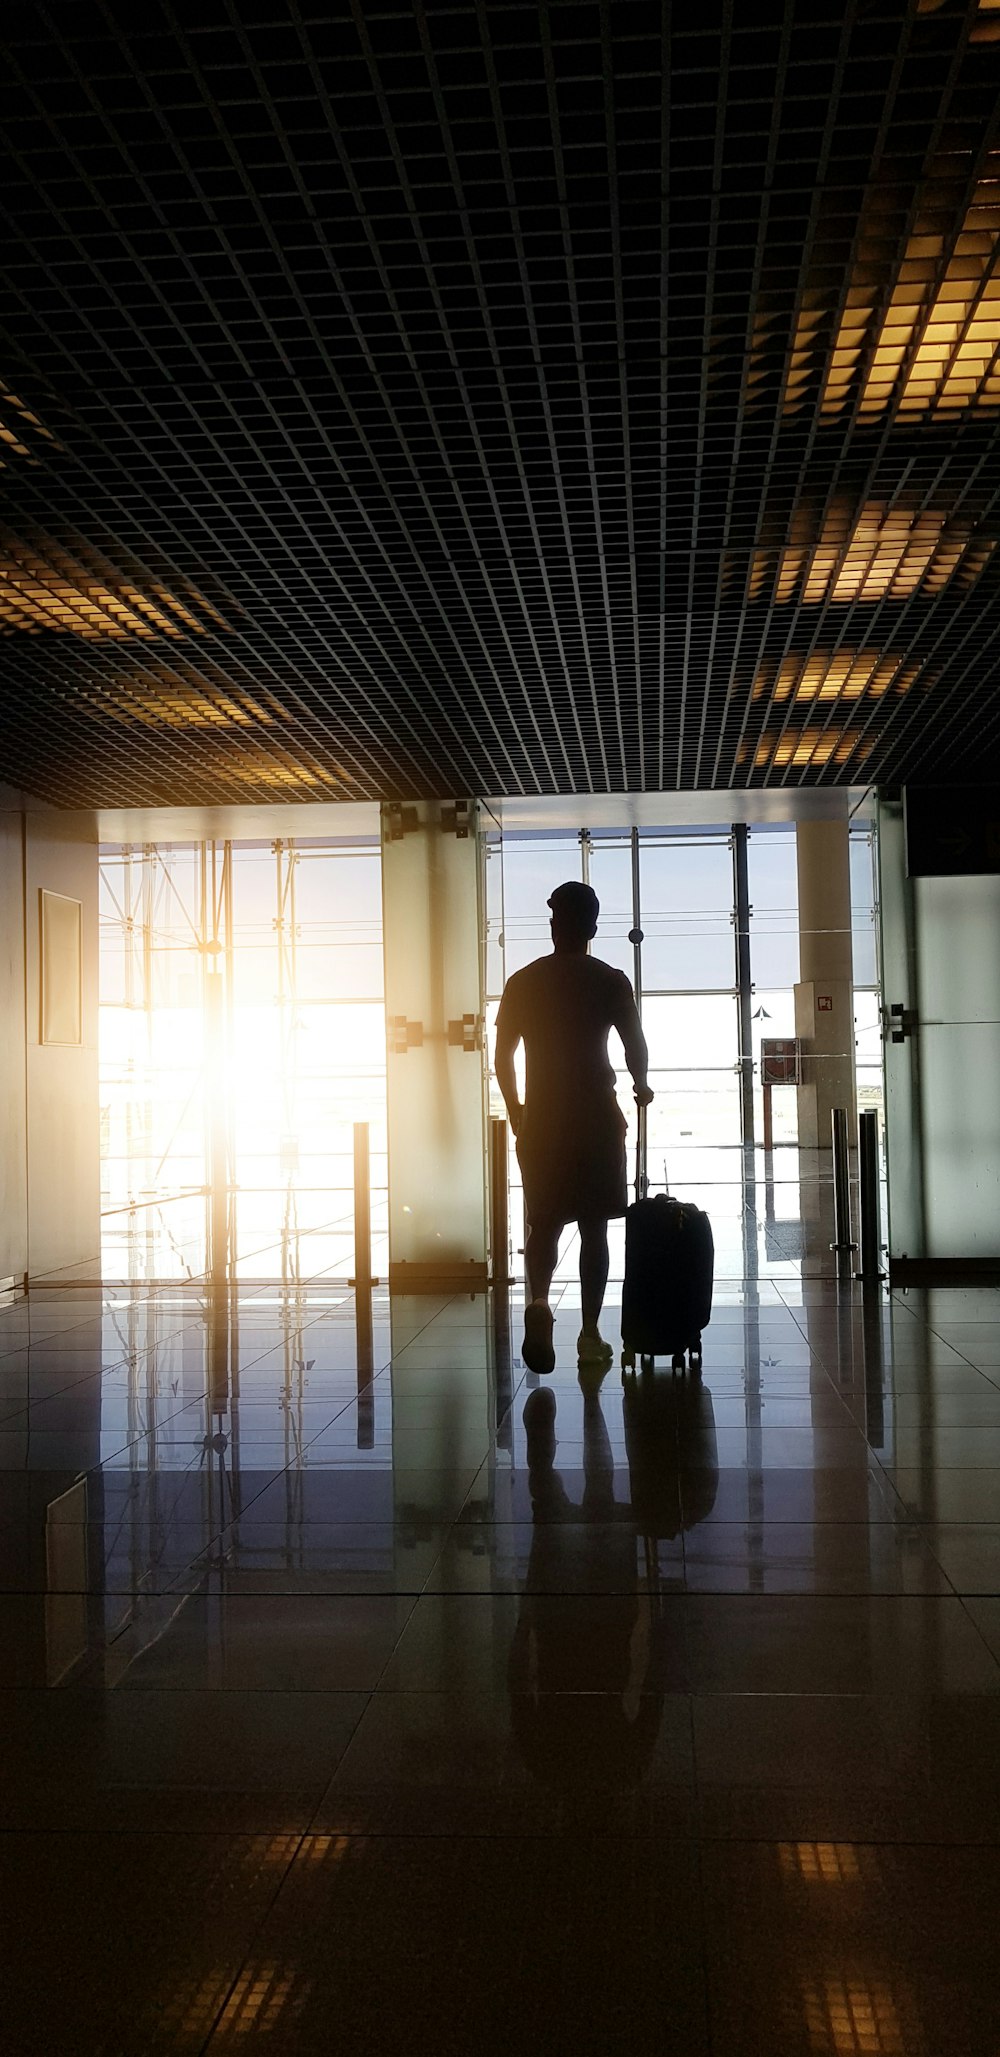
[(570, 1130)]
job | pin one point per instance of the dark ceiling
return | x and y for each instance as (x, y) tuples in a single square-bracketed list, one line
[(498, 398)]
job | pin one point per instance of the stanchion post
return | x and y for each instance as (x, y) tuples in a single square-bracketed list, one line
[(499, 1205), (868, 1194), (843, 1243), (362, 1279)]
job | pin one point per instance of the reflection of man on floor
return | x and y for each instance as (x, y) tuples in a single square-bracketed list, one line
[(570, 1131), (585, 1706)]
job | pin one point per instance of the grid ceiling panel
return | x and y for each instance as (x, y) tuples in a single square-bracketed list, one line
[(498, 398)]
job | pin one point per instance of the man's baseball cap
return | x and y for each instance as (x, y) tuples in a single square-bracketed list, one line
[(577, 905)]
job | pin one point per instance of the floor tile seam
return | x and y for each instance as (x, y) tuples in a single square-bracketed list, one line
[(324, 1796), (963, 1599)]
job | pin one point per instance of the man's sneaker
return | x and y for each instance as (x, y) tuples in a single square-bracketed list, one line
[(592, 1350), (536, 1350)]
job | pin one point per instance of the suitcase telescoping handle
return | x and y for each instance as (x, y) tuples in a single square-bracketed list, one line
[(641, 1174), (641, 1154)]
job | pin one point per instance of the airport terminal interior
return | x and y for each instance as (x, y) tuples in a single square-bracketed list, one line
[(451, 449)]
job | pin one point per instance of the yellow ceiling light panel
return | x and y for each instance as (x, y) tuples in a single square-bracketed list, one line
[(45, 587), (806, 746), (986, 27), (888, 553), (935, 348), (18, 425), (840, 675), (941, 333), (36, 597)]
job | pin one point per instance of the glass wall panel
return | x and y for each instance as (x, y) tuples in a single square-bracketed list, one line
[(151, 1029), (610, 870), (772, 877), (493, 888), (773, 1014), (295, 937), (338, 913), (532, 868), (861, 846), (692, 1045), (868, 1048), (686, 903)]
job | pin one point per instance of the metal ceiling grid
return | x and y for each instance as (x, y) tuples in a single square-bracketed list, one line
[(524, 399)]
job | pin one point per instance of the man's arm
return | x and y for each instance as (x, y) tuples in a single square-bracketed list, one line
[(508, 1038), (636, 1051)]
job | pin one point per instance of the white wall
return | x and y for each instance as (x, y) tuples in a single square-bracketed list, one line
[(63, 1108), (13, 1131)]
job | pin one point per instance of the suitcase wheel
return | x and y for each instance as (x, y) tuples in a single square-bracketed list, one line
[(694, 1356), (677, 1362), (646, 1361), (628, 1361)]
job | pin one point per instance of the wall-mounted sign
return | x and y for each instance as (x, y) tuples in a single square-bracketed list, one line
[(824, 1003), (951, 831), (779, 1061)]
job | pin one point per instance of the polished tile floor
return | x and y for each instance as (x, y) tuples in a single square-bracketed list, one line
[(362, 1691)]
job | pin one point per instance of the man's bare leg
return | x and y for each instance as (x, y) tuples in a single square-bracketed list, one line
[(541, 1252), (541, 1255), (594, 1262)]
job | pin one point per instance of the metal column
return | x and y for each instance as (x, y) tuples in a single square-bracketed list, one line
[(635, 932), (743, 988)]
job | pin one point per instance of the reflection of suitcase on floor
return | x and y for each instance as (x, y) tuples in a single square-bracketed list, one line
[(669, 1431), (669, 1268)]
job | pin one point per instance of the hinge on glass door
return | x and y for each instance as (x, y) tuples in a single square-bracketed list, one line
[(455, 819), (466, 1034), (404, 1035), (399, 822), (900, 1021)]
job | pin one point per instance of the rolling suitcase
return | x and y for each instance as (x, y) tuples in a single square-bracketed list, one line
[(669, 1267)]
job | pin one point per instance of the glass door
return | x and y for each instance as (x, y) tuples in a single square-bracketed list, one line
[(941, 1024)]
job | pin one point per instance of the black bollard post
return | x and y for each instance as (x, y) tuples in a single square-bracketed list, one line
[(843, 1243), (868, 1185)]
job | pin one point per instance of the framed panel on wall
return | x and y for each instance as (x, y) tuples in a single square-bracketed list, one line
[(61, 981)]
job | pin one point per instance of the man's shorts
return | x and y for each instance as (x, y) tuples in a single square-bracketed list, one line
[(573, 1162)]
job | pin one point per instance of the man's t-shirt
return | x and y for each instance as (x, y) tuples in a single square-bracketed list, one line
[(563, 1007)]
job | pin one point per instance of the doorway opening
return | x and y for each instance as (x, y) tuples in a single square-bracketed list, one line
[(715, 973)]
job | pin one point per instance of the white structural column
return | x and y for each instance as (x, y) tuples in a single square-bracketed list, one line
[(432, 931), (824, 996)]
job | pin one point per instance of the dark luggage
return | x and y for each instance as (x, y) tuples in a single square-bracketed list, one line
[(669, 1268), (670, 1429)]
